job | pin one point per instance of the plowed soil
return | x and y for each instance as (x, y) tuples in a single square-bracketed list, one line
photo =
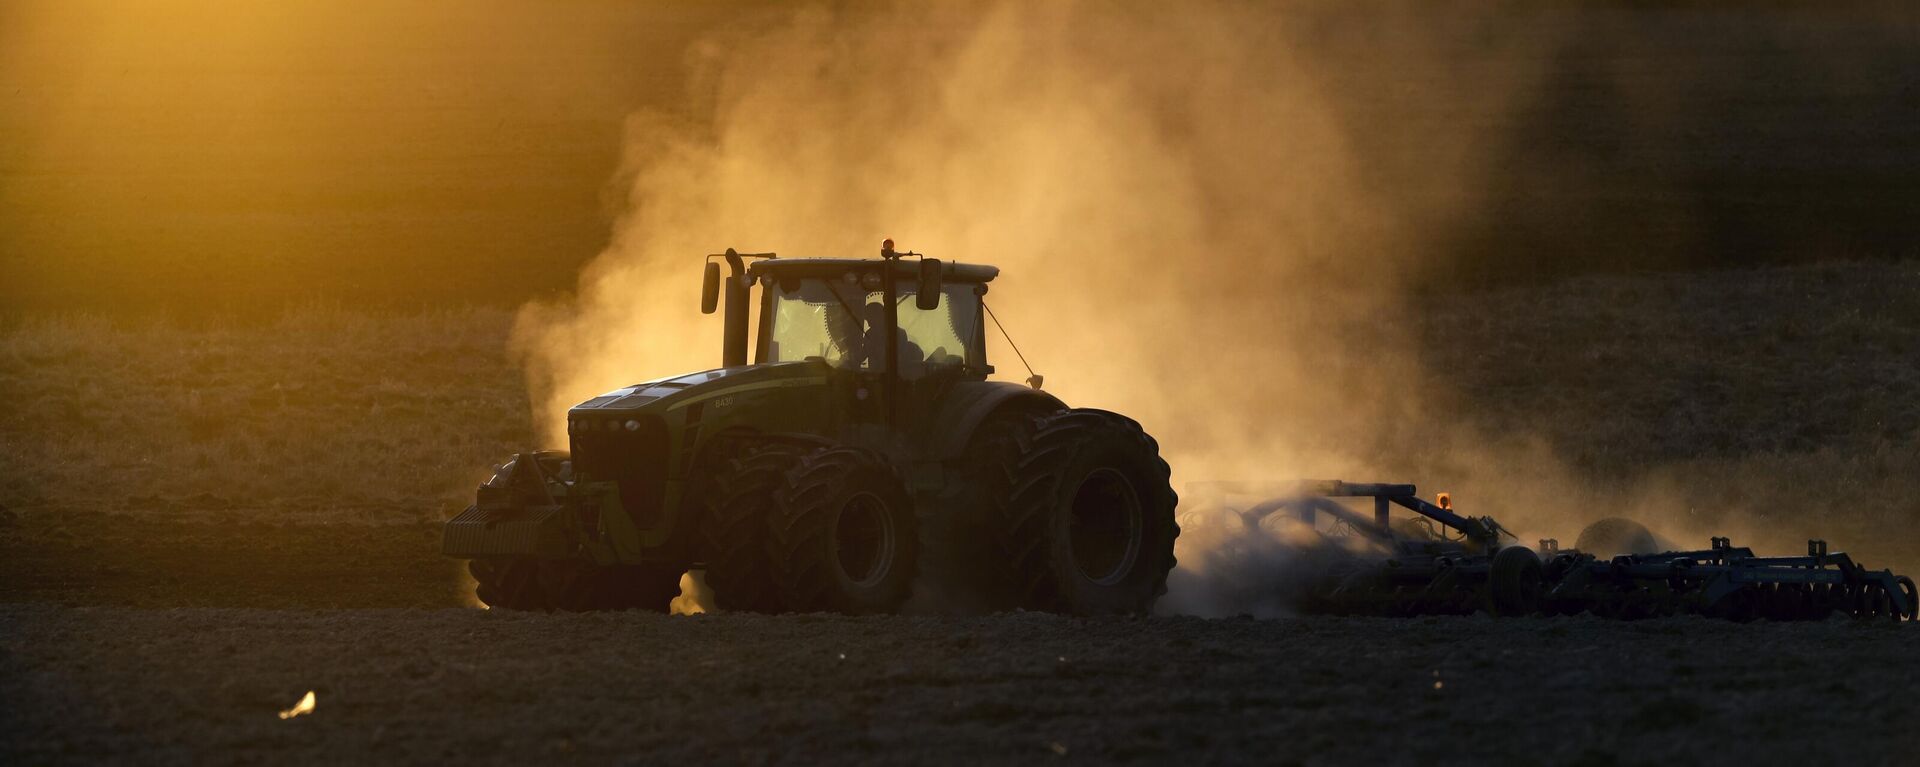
[(120, 641), (182, 559), (132, 561)]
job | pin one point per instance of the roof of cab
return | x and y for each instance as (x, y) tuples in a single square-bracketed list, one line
[(832, 267)]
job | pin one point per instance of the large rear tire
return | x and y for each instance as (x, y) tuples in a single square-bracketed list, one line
[(845, 538), (1088, 525), (740, 502), (961, 568)]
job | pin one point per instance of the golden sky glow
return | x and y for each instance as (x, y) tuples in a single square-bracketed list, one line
[(277, 144)]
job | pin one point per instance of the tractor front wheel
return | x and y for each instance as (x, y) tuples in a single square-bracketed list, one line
[(508, 584), (740, 502)]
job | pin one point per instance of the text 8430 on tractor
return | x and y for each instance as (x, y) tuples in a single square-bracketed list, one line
[(860, 457)]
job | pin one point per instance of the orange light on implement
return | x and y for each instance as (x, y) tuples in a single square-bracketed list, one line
[(1444, 501)]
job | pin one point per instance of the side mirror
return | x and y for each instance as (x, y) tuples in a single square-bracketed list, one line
[(927, 297), (710, 289)]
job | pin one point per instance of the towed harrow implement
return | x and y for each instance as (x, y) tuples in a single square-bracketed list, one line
[(1440, 562)]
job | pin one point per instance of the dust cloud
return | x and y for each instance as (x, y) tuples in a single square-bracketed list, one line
[(1207, 216), (1185, 230)]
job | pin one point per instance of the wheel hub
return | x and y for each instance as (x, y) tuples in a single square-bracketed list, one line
[(1104, 527), (863, 539)]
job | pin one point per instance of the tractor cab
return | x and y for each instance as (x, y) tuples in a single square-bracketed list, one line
[(893, 317)]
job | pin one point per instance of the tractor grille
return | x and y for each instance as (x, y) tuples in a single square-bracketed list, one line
[(635, 459)]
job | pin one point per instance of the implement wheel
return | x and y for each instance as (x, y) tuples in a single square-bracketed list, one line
[(1088, 528), (740, 501), (1513, 582), (845, 537)]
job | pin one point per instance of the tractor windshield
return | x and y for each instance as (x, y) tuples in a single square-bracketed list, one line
[(844, 324)]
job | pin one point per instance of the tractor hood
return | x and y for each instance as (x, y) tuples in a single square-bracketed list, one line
[(682, 390), (630, 445)]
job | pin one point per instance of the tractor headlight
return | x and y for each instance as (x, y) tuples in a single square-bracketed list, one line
[(633, 425)]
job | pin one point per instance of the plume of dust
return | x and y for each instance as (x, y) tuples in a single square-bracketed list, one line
[(695, 598), (1193, 222)]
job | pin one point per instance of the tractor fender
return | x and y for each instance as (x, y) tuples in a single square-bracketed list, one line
[(968, 404)]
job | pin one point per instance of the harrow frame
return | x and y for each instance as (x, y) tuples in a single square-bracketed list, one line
[(1482, 567)]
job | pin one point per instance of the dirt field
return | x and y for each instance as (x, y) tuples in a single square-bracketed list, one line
[(171, 578), (204, 685)]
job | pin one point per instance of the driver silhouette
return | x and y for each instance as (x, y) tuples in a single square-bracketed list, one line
[(873, 345)]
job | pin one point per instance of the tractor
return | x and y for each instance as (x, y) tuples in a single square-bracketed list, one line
[(862, 459)]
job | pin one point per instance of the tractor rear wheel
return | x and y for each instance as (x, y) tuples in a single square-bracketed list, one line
[(959, 558), (844, 538), (739, 503), (1087, 527)]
